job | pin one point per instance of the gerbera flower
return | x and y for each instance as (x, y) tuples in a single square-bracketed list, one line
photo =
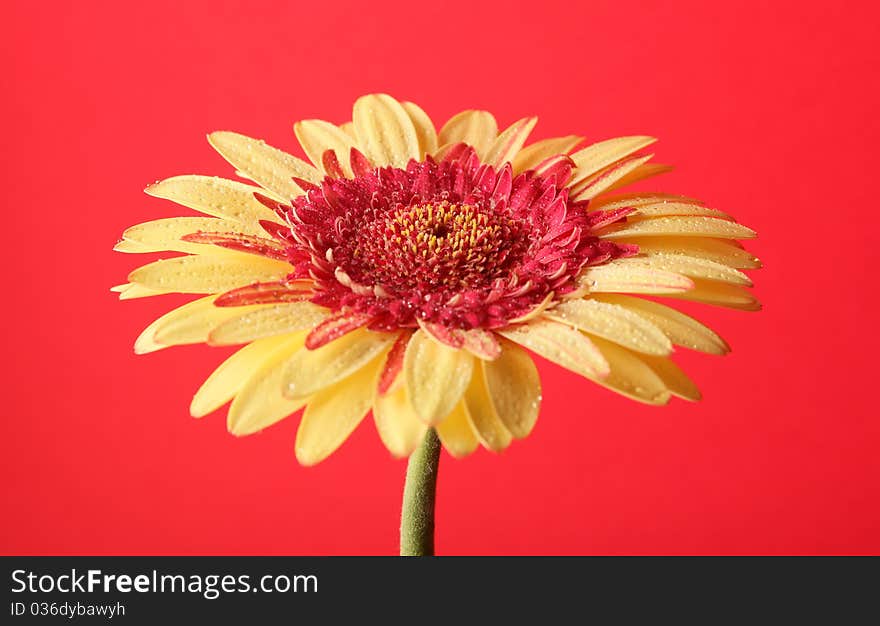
[(411, 272)]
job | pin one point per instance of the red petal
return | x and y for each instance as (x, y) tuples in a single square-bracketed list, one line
[(243, 243), (504, 184), (453, 152), (525, 191), (335, 327), (393, 363), (305, 185), (360, 165), (600, 219), (485, 179), (559, 167), (279, 208), (331, 164), (266, 293), (281, 232), (477, 341), (451, 337)]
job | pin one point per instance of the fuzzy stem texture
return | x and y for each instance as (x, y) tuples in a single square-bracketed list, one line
[(419, 493)]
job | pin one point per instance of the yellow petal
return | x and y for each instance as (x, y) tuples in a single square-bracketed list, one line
[(227, 199), (680, 226), (348, 129), (129, 247), (456, 433), (720, 294), (146, 341), (535, 311), (132, 291), (489, 428), (333, 414), (318, 136), (681, 329), (642, 172), (675, 380), (630, 276), (614, 323), (310, 371), (229, 378), (384, 131), (209, 274), (269, 167), (718, 250), (164, 235), (695, 267), (260, 403), (657, 206), (514, 389), (475, 128), (399, 427), (630, 375), (664, 209), (425, 131), (275, 319), (194, 325), (605, 179), (479, 342), (639, 198), (559, 343), (531, 156), (600, 155), (509, 143), (436, 376)]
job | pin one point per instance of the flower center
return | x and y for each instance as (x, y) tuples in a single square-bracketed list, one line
[(454, 242), (432, 246)]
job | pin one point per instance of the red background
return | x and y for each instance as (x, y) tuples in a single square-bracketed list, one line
[(767, 112)]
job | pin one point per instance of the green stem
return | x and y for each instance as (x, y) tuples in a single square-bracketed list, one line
[(419, 492)]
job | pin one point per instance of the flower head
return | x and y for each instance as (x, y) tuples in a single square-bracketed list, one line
[(453, 242), (406, 270)]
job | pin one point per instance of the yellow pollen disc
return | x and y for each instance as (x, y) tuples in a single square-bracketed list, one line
[(434, 245)]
